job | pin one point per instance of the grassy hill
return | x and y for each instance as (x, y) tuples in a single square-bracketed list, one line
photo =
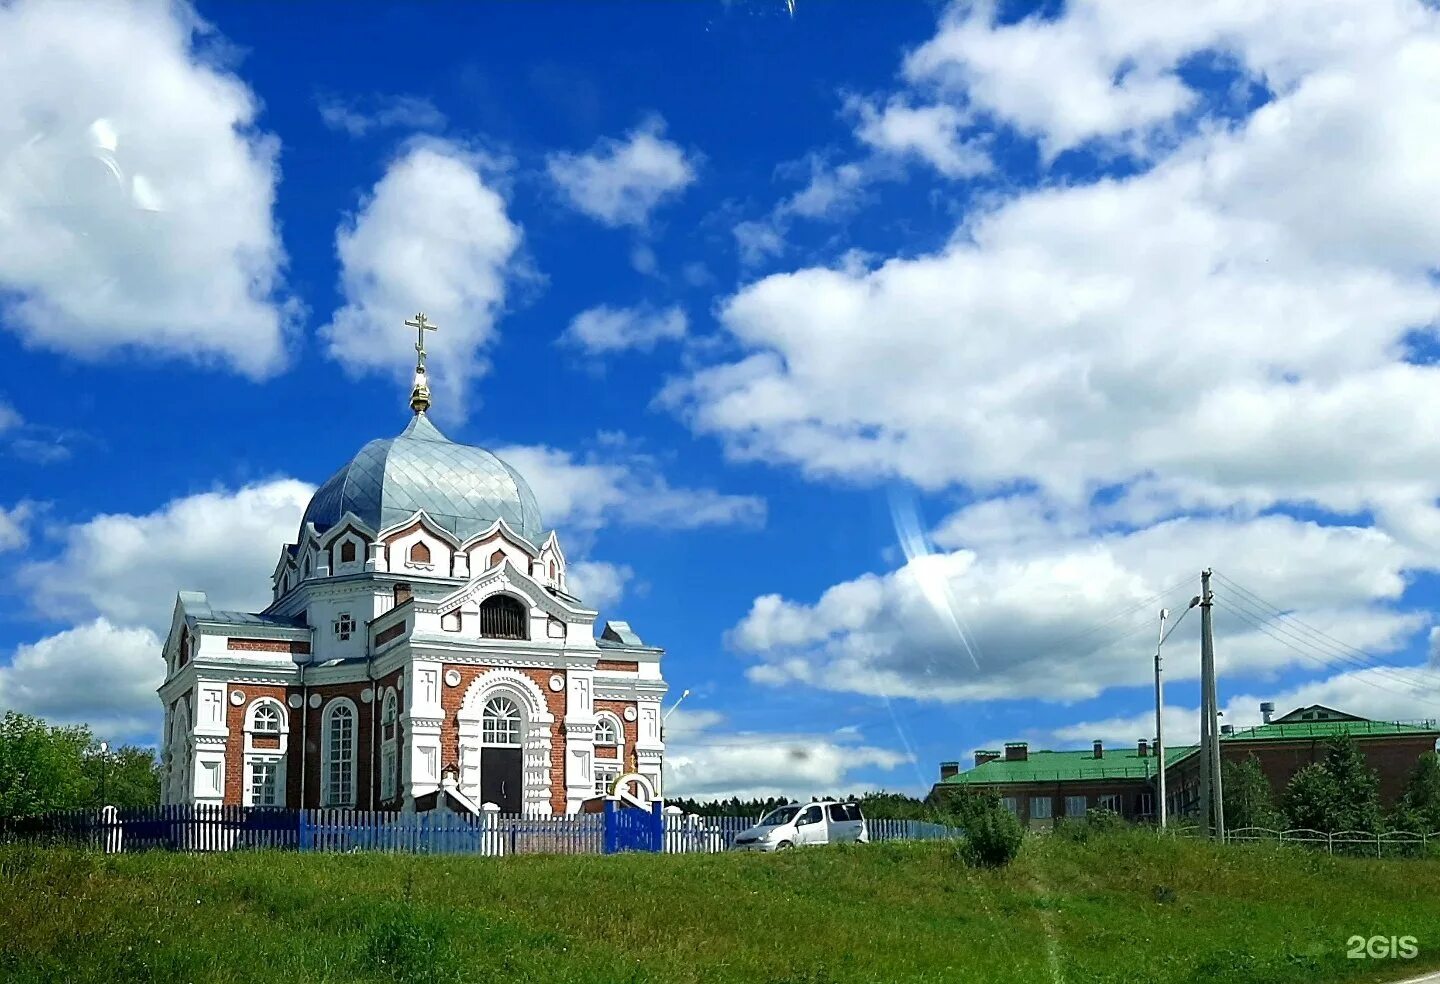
[(1125, 908)]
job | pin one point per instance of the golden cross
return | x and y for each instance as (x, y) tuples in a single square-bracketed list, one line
[(421, 326)]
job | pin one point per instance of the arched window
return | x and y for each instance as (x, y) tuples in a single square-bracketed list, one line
[(419, 553), (500, 722), (497, 558), (389, 734), (347, 552), (266, 719), (503, 617), (338, 782), (607, 731), (552, 570), (266, 726)]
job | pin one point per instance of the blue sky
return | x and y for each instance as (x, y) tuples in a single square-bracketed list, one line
[(889, 364)]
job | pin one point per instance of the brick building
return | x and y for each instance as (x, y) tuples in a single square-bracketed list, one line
[(1042, 786), (420, 638)]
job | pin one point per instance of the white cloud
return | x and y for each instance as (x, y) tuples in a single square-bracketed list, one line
[(758, 240), (1230, 326), (433, 236), (136, 194), (620, 182), (1066, 616), (604, 329), (931, 133), (97, 673), (584, 494), (359, 116), (704, 763), (128, 568), (14, 525), (9, 417), (598, 583)]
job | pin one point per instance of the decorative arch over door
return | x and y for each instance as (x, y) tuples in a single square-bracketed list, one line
[(505, 735)]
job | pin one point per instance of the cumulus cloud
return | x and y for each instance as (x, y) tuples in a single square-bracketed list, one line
[(584, 493), (127, 568), (1064, 617), (620, 182), (360, 116), (97, 673), (432, 236), (604, 329), (136, 193), (930, 133), (598, 583), (14, 525), (703, 762), (1232, 325)]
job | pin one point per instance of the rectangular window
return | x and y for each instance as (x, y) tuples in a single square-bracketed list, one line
[(603, 779), (837, 813), (1075, 806), (1011, 803), (340, 789), (387, 770), (1040, 807), (265, 783), (1110, 802), (1144, 804)]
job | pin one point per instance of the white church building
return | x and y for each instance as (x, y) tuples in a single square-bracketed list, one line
[(420, 643)]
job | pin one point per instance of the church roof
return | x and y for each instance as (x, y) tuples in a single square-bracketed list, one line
[(463, 489)]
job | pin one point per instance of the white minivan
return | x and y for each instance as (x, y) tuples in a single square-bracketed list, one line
[(825, 822)]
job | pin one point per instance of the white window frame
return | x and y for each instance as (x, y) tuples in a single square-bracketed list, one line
[(344, 625), (495, 730), (1011, 803), (613, 724), (605, 775), (266, 756), (389, 735), (1070, 803), (1042, 807), (1111, 802), (345, 795)]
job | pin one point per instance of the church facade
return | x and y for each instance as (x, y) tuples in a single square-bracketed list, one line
[(420, 643)]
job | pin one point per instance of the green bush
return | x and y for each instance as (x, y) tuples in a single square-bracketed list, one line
[(992, 838)]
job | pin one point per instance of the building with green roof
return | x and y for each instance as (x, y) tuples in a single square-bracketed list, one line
[(1041, 786)]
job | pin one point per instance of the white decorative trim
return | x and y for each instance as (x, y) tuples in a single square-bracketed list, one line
[(452, 678), (237, 697), (557, 683), (314, 700), (295, 701), (537, 734), (630, 713), (367, 695)]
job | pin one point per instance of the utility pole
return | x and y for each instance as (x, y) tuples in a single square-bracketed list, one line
[(1212, 803), (1159, 728)]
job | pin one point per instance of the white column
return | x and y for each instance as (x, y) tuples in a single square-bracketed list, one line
[(579, 738), (423, 716)]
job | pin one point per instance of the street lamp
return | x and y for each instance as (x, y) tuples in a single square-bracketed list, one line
[(1160, 702)]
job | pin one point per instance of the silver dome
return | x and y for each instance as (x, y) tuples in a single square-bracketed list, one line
[(462, 488)]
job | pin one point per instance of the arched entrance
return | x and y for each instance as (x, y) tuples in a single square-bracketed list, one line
[(505, 733)]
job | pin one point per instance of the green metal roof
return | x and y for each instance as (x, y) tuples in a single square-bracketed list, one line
[(1046, 766), (1301, 730)]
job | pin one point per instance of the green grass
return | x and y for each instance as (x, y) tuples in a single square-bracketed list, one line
[(1125, 908)]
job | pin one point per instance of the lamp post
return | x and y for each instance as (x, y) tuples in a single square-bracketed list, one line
[(104, 757), (1160, 705)]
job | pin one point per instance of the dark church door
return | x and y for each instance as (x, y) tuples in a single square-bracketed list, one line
[(500, 778)]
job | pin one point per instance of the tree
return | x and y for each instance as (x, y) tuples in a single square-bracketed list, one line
[(45, 768), (1339, 793), (1419, 806), (41, 768), (1249, 800)]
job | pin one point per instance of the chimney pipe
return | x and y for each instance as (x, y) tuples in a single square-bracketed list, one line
[(1017, 751), (948, 769), (1227, 729), (1143, 748), (983, 755), (1099, 749), (1267, 708)]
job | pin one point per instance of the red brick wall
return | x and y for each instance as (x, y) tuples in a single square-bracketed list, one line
[(267, 645), (306, 731), (235, 743), (451, 699), (1392, 758), (631, 729), (617, 665)]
